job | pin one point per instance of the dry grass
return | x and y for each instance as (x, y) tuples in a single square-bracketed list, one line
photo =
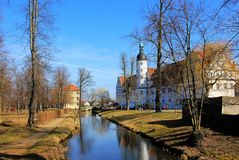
[(168, 128), (18, 119), (14, 133), (50, 146), (45, 141)]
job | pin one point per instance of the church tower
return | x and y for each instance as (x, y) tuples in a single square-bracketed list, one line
[(141, 68)]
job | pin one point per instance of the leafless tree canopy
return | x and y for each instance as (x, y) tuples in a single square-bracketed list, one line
[(128, 76), (61, 78), (85, 80)]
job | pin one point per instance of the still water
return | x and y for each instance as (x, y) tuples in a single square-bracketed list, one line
[(100, 139)]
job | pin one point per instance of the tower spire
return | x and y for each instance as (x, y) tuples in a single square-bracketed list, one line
[(141, 56)]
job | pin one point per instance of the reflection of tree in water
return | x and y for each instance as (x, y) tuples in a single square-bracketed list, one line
[(133, 147), (130, 145), (84, 141), (101, 125)]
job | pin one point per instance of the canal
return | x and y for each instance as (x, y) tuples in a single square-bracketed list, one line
[(100, 139)]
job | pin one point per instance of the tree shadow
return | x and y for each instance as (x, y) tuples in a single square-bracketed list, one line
[(171, 123), (129, 117), (19, 157), (228, 132), (177, 139)]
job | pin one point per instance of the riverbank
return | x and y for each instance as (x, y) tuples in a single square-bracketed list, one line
[(169, 131), (41, 142)]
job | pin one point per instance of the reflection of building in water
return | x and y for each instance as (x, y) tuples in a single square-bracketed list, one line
[(131, 146), (144, 151)]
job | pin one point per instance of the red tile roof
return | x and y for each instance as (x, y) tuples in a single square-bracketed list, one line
[(122, 79), (71, 87), (151, 71)]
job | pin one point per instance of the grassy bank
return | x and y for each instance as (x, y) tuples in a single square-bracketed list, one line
[(168, 130), (42, 142)]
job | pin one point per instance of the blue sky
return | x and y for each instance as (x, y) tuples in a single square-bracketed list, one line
[(89, 34)]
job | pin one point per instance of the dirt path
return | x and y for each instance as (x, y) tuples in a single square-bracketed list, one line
[(21, 146)]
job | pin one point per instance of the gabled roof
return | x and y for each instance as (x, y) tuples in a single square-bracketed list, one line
[(170, 72), (122, 80)]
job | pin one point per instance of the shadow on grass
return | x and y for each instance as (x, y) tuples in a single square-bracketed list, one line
[(177, 139), (227, 132), (171, 123), (18, 157), (129, 117), (177, 136)]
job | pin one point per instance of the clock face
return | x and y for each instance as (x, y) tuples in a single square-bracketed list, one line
[(141, 63)]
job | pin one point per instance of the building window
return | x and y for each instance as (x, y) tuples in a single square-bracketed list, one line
[(217, 86), (169, 90), (141, 92), (169, 100), (163, 100), (152, 92), (141, 70), (218, 74)]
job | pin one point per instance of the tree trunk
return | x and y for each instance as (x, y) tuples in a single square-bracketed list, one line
[(33, 13), (127, 101), (159, 57)]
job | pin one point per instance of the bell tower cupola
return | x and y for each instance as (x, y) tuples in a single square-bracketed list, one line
[(142, 67)]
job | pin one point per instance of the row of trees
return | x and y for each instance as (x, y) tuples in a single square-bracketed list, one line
[(180, 31), (34, 84)]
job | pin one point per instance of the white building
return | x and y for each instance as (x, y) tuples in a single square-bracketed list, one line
[(222, 71)]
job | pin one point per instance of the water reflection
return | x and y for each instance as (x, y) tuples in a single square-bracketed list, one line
[(100, 139)]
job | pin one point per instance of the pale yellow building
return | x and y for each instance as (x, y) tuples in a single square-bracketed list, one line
[(73, 96)]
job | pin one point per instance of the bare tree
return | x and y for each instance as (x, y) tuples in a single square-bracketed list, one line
[(194, 57), (39, 23), (61, 78), (153, 35), (128, 76), (103, 97), (85, 80), (5, 81)]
